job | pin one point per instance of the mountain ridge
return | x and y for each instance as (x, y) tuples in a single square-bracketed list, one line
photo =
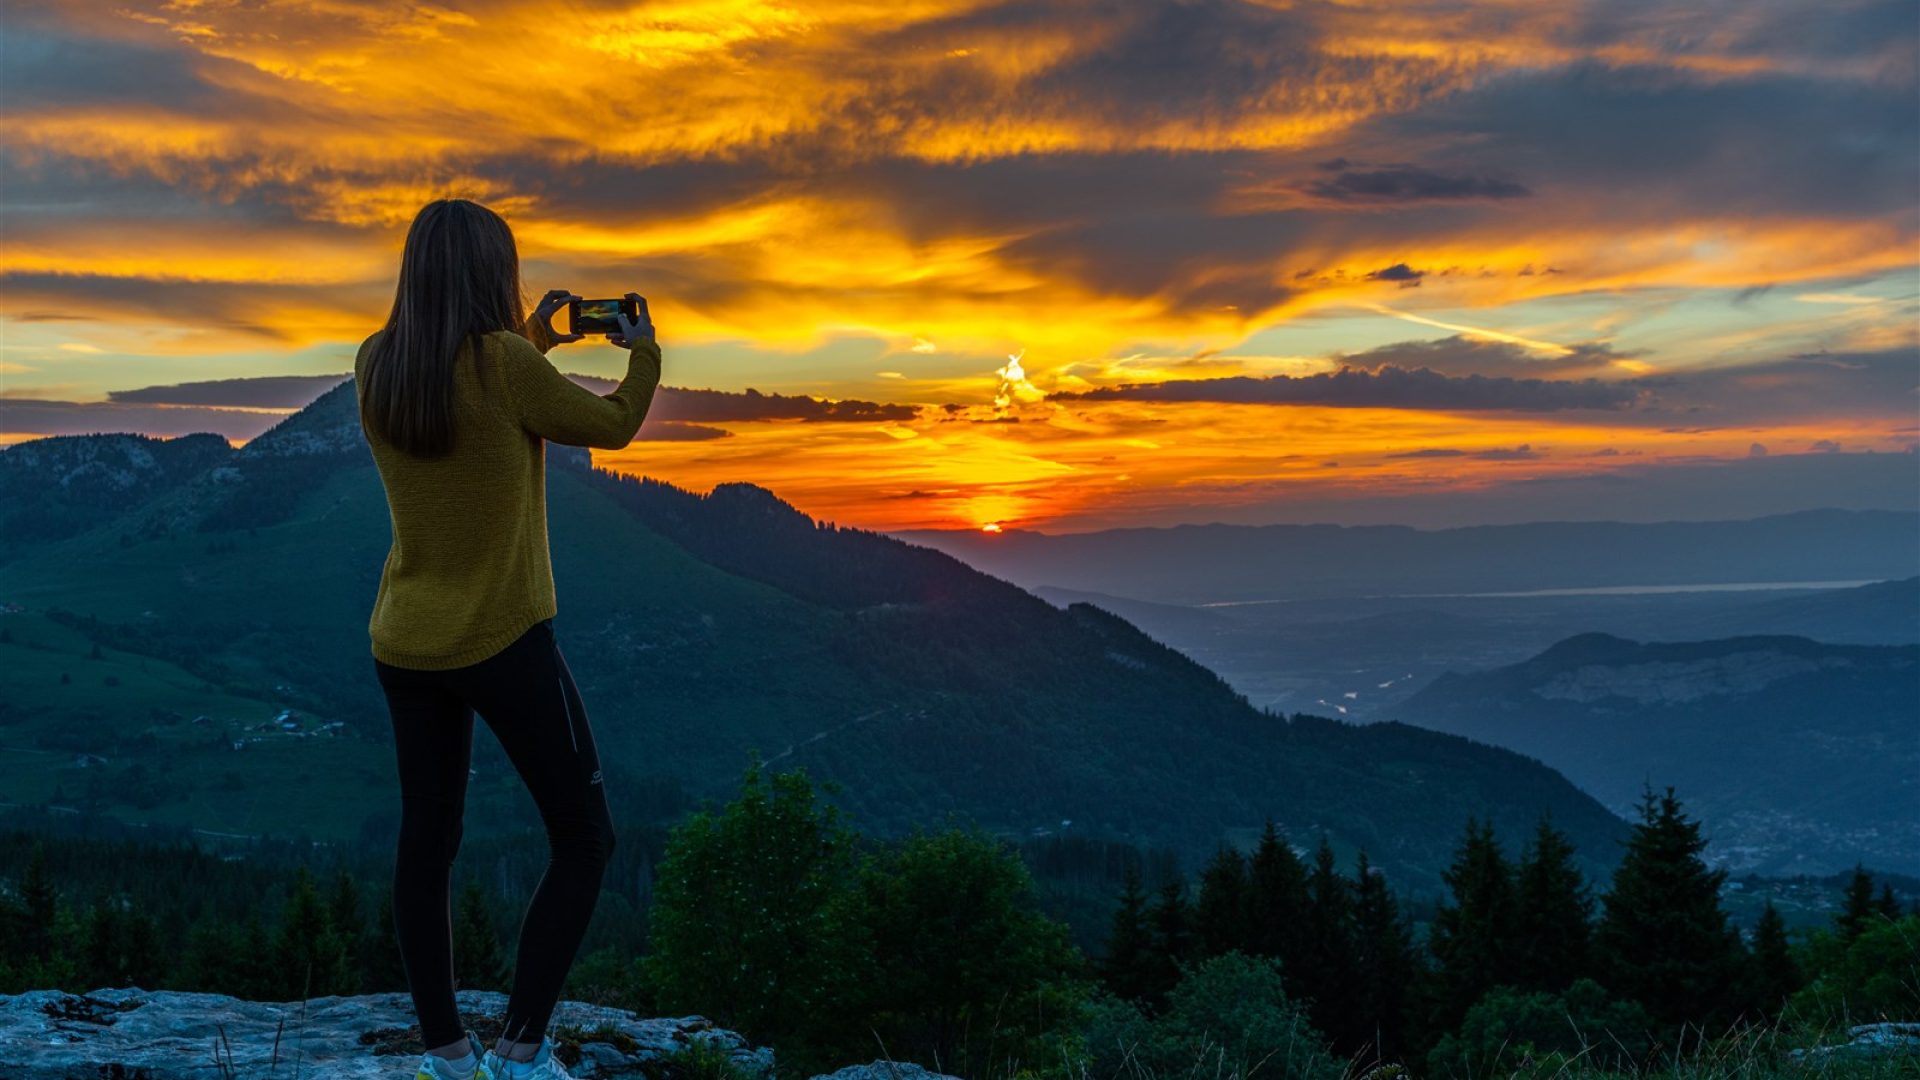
[(705, 628)]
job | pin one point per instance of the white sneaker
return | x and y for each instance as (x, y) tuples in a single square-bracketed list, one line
[(434, 1067), (542, 1066)]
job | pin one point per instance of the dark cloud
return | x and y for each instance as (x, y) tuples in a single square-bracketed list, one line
[(261, 392), (1647, 143), (1192, 258), (1461, 354), (227, 407), (1407, 183), (1846, 29), (1832, 387), (673, 403), (1819, 386), (1388, 387), (34, 416), (670, 403), (227, 307), (47, 65), (1397, 272), (1523, 452), (668, 431), (1136, 64)]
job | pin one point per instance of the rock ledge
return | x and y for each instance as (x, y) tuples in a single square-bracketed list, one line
[(134, 1034)]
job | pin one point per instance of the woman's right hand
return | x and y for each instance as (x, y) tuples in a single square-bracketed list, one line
[(632, 330)]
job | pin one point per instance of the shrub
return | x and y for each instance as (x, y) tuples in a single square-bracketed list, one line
[(1874, 977), (1507, 1028), (1229, 1018)]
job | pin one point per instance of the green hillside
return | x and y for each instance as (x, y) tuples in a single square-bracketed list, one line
[(702, 629)]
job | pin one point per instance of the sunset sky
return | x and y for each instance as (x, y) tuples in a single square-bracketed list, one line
[(1053, 264)]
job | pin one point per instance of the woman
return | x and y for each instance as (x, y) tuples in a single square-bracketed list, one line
[(457, 398)]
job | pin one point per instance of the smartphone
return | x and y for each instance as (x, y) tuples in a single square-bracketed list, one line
[(600, 316)]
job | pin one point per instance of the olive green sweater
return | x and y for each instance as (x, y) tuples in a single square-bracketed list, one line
[(469, 570)]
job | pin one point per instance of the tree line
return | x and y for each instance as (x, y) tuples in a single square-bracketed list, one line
[(1650, 966), (773, 917)]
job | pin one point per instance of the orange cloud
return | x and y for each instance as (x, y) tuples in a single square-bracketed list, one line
[(1114, 192)]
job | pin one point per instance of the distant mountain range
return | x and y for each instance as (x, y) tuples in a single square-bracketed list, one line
[(1882, 613), (1204, 564), (1802, 757), (185, 641), (1358, 656)]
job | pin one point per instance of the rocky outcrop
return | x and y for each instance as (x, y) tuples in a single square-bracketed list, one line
[(1870, 1042), (133, 1034), (884, 1070)]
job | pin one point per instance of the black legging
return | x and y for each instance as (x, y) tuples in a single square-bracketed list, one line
[(527, 696)]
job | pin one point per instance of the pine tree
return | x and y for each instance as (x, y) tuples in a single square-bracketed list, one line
[(1776, 976), (1470, 935), (349, 934), (1663, 940), (1277, 906), (1220, 914), (1858, 912), (145, 955), (122, 946), (1129, 944), (1553, 919), (1888, 906), (256, 972), (1328, 968), (40, 899), (1385, 963), (304, 948), (1173, 941), (384, 971), (476, 946), (104, 961)]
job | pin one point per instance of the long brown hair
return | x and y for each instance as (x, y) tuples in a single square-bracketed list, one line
[(459, 280)]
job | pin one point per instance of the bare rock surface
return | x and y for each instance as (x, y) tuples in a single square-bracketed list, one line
[(1869, 1042), (884, 1070), (134, 1034)]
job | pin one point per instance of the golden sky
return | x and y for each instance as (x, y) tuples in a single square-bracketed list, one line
[(1114, 261)]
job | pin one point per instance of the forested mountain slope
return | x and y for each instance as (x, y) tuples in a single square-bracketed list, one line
[(702, 629)]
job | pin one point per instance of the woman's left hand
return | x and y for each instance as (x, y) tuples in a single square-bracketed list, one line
[(550, 303)]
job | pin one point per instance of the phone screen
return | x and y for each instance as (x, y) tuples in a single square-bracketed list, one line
[(600, 316)]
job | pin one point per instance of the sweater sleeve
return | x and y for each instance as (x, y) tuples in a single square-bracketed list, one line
[(556, 408)]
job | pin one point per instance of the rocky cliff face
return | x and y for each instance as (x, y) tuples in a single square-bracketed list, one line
[(133, 1034), (1678, 682), (1797, 754)]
